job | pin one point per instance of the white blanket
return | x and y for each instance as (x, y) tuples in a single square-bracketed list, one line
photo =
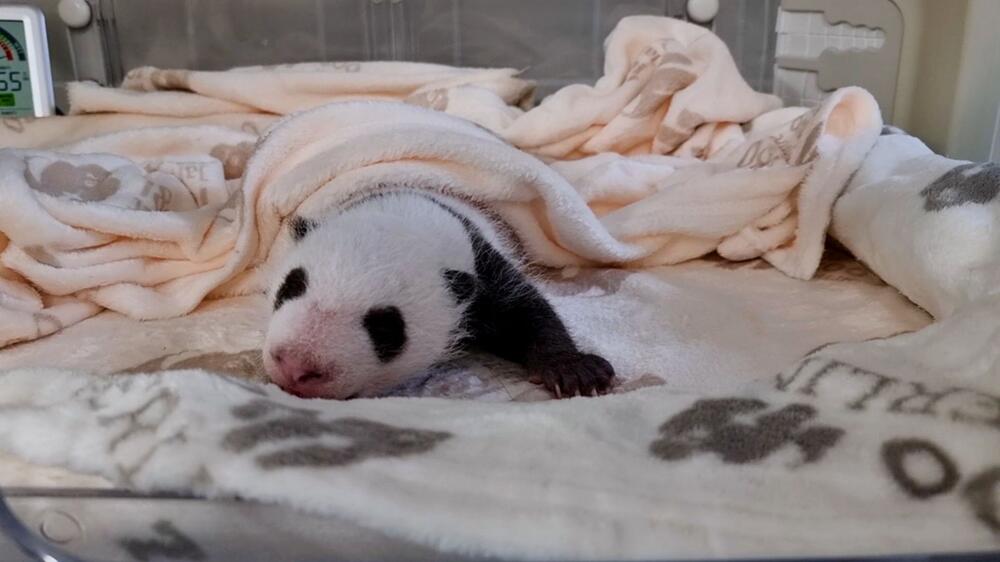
[(518, 474), (846, 452), (942, 217)]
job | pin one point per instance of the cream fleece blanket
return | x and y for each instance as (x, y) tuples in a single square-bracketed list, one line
[(151, 221), (668, 87)]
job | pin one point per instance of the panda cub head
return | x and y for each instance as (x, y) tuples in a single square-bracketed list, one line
[(367, 298)]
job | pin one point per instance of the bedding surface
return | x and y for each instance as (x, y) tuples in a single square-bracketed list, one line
[(686, 326), (701, 329), (775, 396)]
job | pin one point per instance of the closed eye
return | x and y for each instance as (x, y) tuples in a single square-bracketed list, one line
[(387, 330)]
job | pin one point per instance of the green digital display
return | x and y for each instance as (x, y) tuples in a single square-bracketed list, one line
[(15, 77)]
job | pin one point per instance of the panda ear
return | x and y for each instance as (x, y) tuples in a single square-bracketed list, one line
[(300, 226), (462, 285)]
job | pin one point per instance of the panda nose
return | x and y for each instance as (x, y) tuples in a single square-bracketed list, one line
[(299, 372)]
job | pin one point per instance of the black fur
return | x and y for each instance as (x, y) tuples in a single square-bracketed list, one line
[(300, 226), (387, 330), (510, 318), (461, 284), (294, 286)]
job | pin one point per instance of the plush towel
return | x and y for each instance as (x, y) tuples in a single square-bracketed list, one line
[(844, 452), (484, 93), (151, 221), (929, 225), (668, 87), (54, 132)]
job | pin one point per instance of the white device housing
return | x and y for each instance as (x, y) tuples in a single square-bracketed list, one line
[(37, 52)]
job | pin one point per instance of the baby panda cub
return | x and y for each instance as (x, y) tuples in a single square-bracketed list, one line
[(394, 282)]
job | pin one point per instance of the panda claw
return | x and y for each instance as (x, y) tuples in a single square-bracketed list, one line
[(576, 374)]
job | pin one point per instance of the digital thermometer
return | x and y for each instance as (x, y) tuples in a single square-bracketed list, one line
[(25, 76)]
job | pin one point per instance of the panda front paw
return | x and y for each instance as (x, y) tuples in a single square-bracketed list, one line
[(573, 374)]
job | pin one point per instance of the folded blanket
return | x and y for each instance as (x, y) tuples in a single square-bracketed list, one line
[(153, 230), (151, 221), (484, 93), (54, 132), (668, 87), (927, 224)]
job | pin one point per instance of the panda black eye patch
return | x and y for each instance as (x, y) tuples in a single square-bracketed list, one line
[(462, 285), (293, 287), (387, 330)]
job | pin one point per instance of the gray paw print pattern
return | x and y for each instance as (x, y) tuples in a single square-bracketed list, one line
[(967, 183), (273, 423), (87, 183), (168, 543), (743, 430)]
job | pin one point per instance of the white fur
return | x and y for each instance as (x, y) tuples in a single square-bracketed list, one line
[(385, 251)]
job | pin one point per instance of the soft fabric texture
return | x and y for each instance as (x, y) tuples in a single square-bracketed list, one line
[(586, 483), (287, 88), (153, 229), (844, 452), (751, 417), (929, 225), (668, 87)]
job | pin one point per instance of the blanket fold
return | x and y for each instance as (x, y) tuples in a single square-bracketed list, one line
[(149, 222), (927, 224)]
